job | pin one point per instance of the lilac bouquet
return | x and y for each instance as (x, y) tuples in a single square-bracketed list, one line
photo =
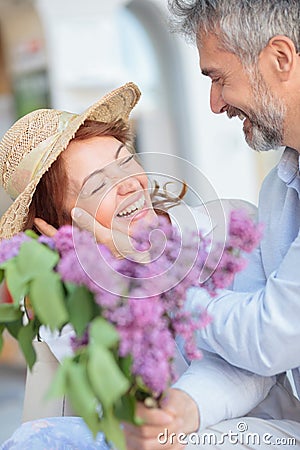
[(121, 310)]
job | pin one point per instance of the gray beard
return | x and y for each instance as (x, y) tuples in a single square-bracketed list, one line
[(268, 120)]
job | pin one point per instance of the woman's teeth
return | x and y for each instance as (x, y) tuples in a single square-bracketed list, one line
[(132, 208)]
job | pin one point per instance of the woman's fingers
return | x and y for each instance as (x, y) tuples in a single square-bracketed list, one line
[(117, 242), (120, 244), (44, 227), (85, 221)]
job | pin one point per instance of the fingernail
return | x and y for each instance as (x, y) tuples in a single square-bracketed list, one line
[(76, 213)]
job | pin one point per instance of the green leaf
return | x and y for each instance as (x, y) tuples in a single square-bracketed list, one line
[(70, 287), (71, 380), (17, 283), (126, 366), (125, 408), (110, 426), (31, 234), (81, 310), (82, 397), (103, 333), (35, 258), (25, 338), (32, 260), (2, 328), (107, 380), (47, 299), (14, 327), (1, 275), (9, 313)]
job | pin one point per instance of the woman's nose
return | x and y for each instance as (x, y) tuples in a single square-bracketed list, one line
[(128, 184), (217, 103)]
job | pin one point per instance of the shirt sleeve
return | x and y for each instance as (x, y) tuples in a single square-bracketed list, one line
[(222, 391), (257, 331)]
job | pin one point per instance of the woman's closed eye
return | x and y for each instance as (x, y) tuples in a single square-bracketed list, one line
[(126, 160), (97, 189), (93, 185), (98, 180)]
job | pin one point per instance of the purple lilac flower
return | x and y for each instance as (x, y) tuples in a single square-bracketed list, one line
[(78, 342), (84, 262), (151, 359), (9, 248), (145, 302), (64, 239), (50, 242), (244, 233), (186, 324)]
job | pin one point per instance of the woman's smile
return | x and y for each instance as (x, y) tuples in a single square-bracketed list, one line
[(133, 208), (117, 192)]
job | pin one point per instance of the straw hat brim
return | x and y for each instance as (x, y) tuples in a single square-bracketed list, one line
[(113, 106)]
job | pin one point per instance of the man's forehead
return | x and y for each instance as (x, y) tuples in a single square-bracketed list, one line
[(212, 55), (210, 42)]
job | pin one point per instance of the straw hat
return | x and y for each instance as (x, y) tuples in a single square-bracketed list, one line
[(35, 141)]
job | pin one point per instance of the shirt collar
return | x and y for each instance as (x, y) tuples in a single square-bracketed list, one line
[(288, 166)]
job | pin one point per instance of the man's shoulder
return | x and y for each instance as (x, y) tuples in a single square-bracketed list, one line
[(272, 193)]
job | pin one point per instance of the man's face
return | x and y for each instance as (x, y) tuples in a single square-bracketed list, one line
[(243, 94)]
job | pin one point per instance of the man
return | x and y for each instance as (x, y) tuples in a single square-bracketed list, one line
[(250, 51)]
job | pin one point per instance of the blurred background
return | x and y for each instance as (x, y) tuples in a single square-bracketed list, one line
[(68, 53)]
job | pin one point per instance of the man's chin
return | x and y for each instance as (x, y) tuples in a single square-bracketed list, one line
[(257, 142)]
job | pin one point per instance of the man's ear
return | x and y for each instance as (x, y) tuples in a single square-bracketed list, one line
[(282, 55)]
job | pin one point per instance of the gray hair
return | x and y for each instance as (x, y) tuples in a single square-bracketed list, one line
[(244, 27)]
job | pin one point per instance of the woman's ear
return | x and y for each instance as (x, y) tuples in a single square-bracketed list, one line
[(282, 55)]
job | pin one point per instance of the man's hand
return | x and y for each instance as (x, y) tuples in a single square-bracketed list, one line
[(178, 414)]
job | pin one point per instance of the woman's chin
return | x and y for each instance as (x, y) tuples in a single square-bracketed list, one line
[(141, 219)]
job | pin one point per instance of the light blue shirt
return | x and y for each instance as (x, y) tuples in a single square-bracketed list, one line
[(257, 327)]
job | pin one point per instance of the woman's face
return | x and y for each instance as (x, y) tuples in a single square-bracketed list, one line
[(105, 180)]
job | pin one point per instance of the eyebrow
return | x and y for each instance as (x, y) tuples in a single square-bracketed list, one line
[(101, 170), (210, 72)]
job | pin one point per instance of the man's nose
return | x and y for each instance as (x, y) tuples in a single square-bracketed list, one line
[(217, 103)]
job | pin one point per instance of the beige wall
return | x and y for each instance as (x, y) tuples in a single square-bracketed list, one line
[(20, 24)]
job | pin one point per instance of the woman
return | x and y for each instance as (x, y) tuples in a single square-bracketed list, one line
[(45, 152), (52, 161)]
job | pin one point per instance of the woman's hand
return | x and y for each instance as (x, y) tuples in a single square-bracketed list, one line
[(178, 415), (44, 227), (120, 244)]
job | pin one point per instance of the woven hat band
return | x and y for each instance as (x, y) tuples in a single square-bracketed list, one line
[(34, 161)]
